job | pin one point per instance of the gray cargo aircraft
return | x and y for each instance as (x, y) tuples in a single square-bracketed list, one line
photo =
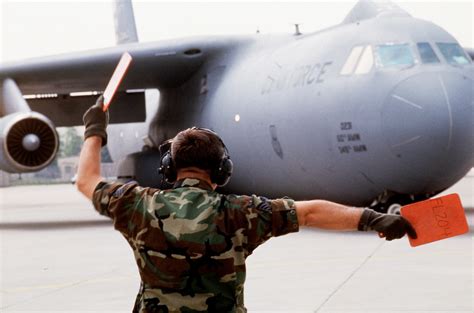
[(377, 110)]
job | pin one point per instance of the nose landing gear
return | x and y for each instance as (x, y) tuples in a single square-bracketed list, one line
[(391, 203)]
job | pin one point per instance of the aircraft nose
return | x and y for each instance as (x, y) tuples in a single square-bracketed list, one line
[(428, 124)]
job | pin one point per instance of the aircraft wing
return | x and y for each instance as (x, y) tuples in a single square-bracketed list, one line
[(49, 81), (160, 64)]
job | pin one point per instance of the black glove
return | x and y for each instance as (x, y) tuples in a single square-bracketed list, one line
[(96, 121), (387, 225)]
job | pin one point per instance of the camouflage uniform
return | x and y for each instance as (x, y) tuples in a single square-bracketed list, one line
[(190, 242)]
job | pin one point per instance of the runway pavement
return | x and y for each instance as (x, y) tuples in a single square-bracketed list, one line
[(59, 255)]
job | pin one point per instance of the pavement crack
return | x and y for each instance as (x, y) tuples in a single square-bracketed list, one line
[(349, 277)]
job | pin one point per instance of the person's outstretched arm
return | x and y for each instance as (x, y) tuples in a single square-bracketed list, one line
[(330, 215), (327, 215)]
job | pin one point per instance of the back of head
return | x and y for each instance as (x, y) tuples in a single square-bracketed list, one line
[(199, 148), (195, 147)]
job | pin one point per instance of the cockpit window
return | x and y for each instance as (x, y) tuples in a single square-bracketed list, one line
[(427, 53), (453, 53), (394, 55), (366, 61), (360, 61), (352, 60)]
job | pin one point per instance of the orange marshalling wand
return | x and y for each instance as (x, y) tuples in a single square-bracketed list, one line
[(116, 79)]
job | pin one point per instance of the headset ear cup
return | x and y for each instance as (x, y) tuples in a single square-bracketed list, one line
[(167, 168), (222, 174)]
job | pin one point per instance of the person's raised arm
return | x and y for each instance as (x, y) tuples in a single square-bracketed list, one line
[(95, 135), (330, 215), (88, 172)]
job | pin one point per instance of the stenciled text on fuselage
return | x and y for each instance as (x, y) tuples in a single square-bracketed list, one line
[(296, 77)]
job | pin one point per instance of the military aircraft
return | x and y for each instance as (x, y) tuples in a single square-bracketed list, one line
[(377, 110)]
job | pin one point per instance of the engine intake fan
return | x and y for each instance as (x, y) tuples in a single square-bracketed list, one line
[(29, 142)]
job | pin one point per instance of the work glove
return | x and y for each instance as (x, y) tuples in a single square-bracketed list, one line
[(389, 226), (96, 121)]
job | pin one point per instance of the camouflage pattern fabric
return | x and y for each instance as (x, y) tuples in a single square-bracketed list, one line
[(190, 242)]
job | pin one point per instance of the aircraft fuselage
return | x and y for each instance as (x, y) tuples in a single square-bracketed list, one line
[(298, 123)]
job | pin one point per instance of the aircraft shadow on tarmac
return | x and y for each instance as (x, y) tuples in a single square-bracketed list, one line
[(34, 226)]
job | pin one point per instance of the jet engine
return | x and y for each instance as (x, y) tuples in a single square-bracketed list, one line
[(28, 141)]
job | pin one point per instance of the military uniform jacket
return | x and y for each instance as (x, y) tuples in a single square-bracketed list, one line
[(190, 242)]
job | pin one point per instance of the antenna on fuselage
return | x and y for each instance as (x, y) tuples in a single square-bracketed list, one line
[(297, 30), (124, 20)]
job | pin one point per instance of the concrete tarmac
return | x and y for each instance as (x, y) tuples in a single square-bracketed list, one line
[(59, 255)]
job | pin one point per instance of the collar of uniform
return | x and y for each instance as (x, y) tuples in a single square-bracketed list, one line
[(193, 182)]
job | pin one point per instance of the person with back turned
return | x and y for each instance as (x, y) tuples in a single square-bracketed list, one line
[(191, 242)]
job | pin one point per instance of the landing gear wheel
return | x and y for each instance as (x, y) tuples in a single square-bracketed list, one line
[(394, 208)]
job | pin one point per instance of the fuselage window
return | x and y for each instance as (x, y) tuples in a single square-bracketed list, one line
[(427, 53), (394, 55), (453, 53)]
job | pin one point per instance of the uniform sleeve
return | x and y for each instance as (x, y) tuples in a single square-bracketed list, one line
[(261, 219), (116, 201), (274, 217), (284, 219)]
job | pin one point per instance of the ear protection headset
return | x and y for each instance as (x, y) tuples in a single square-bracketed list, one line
[(220, 173)]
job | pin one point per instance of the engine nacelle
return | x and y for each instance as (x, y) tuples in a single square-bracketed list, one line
[(28, 142)]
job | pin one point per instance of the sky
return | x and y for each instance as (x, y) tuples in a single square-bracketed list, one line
[(32, 28)]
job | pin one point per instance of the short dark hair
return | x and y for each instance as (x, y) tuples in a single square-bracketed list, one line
[(195, 147)]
